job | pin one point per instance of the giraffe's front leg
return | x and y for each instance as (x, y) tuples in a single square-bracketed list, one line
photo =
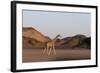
[(54, 49), (49, 51)]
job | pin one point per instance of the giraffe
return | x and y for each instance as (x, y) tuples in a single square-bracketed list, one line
[(50, 45)]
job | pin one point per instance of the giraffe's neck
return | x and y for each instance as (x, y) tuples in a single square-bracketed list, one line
[(55, 38)]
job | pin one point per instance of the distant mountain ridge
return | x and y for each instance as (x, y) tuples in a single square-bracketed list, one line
[(32, 37)]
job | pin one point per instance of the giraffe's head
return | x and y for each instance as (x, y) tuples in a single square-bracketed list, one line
[(58, 35)]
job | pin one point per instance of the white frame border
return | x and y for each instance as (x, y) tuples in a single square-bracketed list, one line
[(34, 65)]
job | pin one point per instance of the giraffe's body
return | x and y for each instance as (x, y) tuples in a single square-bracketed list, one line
[(50, 45)]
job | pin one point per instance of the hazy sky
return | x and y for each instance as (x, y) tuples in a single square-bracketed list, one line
[(53, 23)]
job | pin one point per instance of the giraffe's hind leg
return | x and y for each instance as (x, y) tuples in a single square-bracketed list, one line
[(48, 49), (44, 50)]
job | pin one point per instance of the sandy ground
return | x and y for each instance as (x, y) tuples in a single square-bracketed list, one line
[(36, 55)]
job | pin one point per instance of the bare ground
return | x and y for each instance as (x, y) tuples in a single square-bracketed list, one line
[(36, 55)]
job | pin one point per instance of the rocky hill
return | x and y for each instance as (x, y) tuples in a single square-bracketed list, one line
[(34, 38), (76, 41), (34, 34)]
